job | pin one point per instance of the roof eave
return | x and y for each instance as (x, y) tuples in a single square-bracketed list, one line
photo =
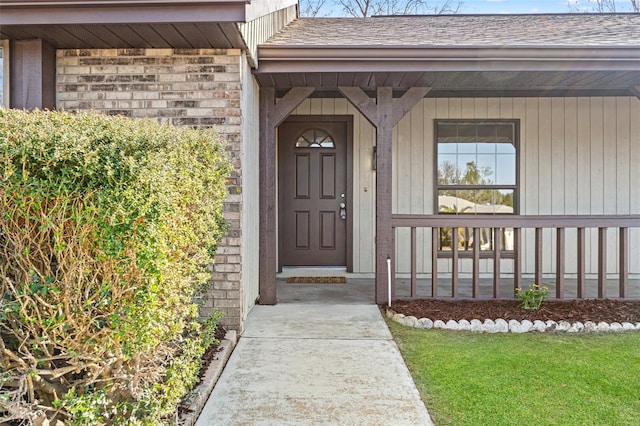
[(275, 59), (86, 13)]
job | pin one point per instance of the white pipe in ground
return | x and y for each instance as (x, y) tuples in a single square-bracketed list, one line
[(389, 280)]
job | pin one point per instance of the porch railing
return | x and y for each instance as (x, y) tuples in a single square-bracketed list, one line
[(497, 224)]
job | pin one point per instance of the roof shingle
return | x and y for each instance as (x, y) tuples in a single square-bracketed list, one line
[(552, 30)]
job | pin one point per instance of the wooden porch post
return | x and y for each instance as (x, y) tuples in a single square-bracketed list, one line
[(384, 115), (384, 176), (33, 75), (271, 115)]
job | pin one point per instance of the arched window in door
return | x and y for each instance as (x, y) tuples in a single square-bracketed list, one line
[(315, 138)]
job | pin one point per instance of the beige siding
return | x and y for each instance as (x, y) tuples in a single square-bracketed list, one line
[(250, 186), (258, 30), (577, 156)]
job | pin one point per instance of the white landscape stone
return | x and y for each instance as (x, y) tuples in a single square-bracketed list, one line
[(501, 326), (527, 325), (451, 325), (398, 318), (515, 327), (411, 321), (627, 326), (425, 323), (539, 326), (576, 327), (476, 325), (615, 326), (463, 324)]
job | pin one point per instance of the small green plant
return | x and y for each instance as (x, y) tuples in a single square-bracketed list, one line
[(532, 297)]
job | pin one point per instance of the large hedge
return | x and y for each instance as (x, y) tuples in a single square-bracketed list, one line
[(106, 227)]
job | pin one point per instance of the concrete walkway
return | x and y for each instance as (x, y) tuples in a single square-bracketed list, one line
[(324, 364)]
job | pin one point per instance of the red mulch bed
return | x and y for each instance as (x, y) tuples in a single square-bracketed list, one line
[(573, 311)]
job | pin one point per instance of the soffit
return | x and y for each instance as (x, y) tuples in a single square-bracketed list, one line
[(119, 24)]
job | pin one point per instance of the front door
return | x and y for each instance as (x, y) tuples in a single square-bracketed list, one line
[(313, 192)]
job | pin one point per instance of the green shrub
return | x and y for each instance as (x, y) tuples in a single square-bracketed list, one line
[(106, 227)]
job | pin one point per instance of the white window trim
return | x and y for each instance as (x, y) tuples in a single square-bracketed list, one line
[(5, 73)]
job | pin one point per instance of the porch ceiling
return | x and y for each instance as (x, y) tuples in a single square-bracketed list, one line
[(459, 55), (465, 83), (186, 35), (85, 24)]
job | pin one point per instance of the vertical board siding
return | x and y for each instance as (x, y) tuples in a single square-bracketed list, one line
[(249, 110), (577, 156), (260, 29)]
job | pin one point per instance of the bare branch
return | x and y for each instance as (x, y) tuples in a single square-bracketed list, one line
[(604, 6), (364, 8), (313, 8)]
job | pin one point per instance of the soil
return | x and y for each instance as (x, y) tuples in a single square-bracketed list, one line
[(573, 311)]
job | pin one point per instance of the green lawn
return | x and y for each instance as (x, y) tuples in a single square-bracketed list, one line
[(524, 379)]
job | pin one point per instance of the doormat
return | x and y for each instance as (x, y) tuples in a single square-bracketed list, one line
[(316, 280)]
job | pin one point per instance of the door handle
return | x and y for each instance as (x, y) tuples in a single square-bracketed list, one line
[(343, 211)]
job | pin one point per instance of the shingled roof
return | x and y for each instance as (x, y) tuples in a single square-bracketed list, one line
[(562, 30), (460, 55)]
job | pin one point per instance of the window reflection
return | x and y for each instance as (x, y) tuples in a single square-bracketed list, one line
[(477, 174)]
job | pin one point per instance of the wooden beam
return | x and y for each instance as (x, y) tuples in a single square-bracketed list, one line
[(455, 240), (517, 258), (635, 90), (384, 115), (414, 264), (581, 290), (602, 263), (538, 256), (362, 102), (384, 185), (405, 104), (33, 74), (560, 259), (289, 102), (435, 236), (267, 198), (624, 262), (272, 114), (497, 247), (475, 279)]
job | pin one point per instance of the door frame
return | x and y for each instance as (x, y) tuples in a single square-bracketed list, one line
[(348, 120)]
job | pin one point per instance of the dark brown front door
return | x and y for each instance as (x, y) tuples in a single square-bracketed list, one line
[(313, 194)]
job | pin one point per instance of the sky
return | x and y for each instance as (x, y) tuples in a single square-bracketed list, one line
[(528, 6), (514, 6), (506, 6)]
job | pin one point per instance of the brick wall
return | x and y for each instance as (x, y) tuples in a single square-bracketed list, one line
[(183, 87)]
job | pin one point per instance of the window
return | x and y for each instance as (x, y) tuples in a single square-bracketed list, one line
[(4, 73), (315, 138), (477, 165)]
